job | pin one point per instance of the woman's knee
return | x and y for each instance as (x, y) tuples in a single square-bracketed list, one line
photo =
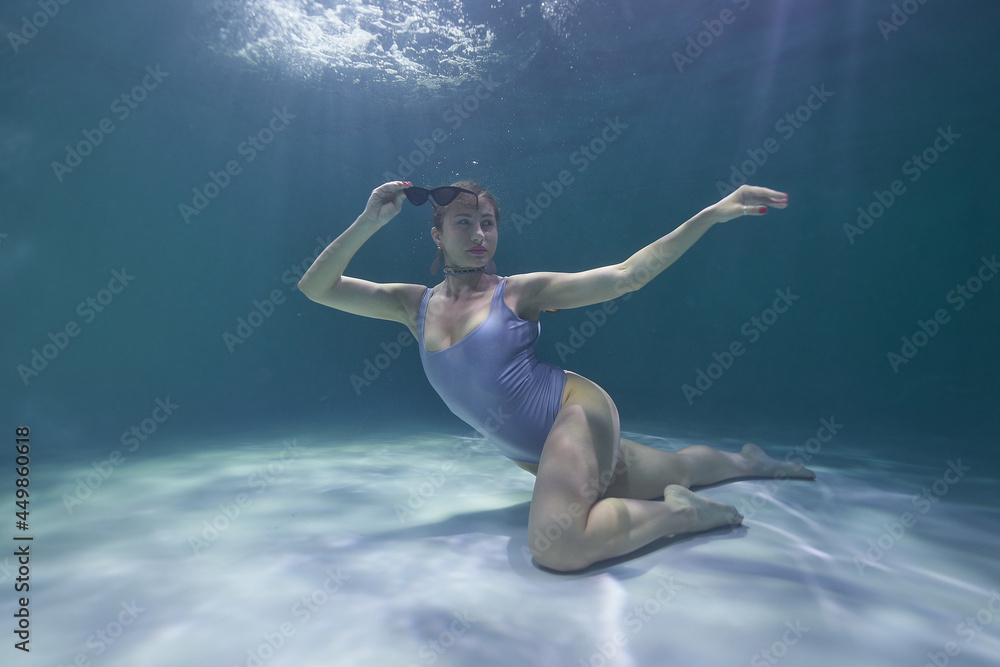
[(559, 555), (557, 540), (575, 539)]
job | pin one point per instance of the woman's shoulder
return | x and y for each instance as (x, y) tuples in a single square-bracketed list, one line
[(410, 295), (521, 282), (516, 292)]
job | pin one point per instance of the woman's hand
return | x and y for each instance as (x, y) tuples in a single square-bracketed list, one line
[(748, 200), (386, 202)]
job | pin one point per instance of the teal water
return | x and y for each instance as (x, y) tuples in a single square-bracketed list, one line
[(168, 170)]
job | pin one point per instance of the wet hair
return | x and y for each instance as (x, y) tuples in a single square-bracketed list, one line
[(471, 186)]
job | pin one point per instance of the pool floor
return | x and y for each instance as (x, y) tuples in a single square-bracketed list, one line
[(332, 550)]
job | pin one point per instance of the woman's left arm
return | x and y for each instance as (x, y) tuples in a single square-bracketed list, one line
[(544, 291)]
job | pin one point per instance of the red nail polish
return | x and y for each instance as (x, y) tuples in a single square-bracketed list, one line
[(762, 210)]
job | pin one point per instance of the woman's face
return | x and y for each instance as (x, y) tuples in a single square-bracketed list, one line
[(468, 235)]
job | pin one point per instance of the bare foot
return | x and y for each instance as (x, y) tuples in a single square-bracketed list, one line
[(705, 513), (759, 464)]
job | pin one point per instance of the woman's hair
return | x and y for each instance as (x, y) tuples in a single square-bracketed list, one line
[(471, 186)]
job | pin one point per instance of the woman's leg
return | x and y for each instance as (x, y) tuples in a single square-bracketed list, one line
[(571, 524), (642, 471)]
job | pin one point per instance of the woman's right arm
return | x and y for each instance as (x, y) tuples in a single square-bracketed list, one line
[(326, 283)]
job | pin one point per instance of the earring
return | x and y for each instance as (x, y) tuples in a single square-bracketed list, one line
[(438, 261)]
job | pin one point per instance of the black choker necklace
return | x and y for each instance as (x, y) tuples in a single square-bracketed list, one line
[(459, 270)]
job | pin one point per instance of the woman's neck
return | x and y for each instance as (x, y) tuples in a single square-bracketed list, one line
[(456, 285), (450, 270)]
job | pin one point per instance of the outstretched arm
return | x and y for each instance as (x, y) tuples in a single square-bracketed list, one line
[(325, 281), (544, 291)]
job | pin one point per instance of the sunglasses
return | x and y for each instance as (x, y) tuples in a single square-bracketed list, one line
[(441, 196)]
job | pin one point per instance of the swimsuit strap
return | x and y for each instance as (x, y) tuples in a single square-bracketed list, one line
[(498, 294), (421, 315)]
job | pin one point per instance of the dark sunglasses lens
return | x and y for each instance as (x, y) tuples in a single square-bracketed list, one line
[(417, 196), (444, 196)]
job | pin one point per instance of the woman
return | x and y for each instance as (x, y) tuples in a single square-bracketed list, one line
[(594, 490)]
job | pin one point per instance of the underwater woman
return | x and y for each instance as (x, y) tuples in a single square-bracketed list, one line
[(597, 495)]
